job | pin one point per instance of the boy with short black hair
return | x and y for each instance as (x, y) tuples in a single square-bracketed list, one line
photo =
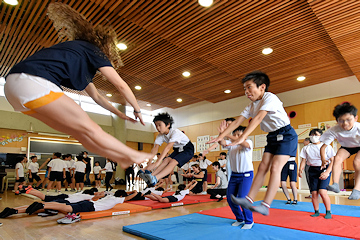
[(267, 110), (347, 133), (19, 173), (57, 168), (33, 171), (176, 139)]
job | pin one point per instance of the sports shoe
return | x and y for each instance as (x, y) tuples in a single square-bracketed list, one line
[(69, 218), (8, 212), (153, 181), (143, 177)]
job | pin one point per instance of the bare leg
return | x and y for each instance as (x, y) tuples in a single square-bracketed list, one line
[(81, 127), (37, 193), (260, 176), (77, 186), (58, 185), (82, 186), (285, 190), (315, 199), (38, 183), (205, 186), (46, 180), (277, 165), (159, 198), (166, 170), (151, 197), (49, 186), (16, 186), (22, 209), (341, 155), (356, 164), (58, 206), (294, 189), (326, 199), (163, 164)]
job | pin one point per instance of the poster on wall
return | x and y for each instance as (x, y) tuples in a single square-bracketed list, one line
[(260, 141), (326, 125), (201, 143), (257, 154), (252, 138), (218, 145), (302, 132)]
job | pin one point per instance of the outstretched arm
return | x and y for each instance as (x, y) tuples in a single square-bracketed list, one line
[(229, 129), (124, 89), (94, 94)]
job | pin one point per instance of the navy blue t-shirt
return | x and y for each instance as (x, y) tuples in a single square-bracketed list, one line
[(71, 64)]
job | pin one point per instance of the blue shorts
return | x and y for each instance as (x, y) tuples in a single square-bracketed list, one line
[(83, 206), (289, 169), (315, 182), (47, 174), (184, 156), (283, 141)]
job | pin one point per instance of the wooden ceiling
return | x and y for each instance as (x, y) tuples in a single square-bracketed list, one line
[(218, 45)]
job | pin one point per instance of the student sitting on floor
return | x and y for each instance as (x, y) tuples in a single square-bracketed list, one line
[(218, 191), (197, 175), (319, 177), (176, 197)]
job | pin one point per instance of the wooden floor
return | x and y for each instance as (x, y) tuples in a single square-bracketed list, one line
[(23, 226)]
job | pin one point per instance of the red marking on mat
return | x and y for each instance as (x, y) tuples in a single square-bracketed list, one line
[(341, 226), (119, 209)]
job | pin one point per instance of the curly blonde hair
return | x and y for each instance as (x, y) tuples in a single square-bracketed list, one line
[(73, 25)]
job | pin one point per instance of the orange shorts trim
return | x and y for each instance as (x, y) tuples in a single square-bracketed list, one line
[(29, 112), (42, 101)]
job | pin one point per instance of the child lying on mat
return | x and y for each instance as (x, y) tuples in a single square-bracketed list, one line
[(143, 195), (177, 196), (100, 202)]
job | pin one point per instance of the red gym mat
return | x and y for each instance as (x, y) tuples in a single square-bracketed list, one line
[(119, 209), (341, 226), (157, 205), (201, 198)]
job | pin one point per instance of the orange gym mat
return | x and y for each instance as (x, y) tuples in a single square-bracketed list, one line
[(119, 209), (341, 226)]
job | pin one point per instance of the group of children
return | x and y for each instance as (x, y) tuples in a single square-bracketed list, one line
[(33, 82), (61, 169)]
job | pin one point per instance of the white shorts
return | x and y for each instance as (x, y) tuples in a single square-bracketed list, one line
[(27, 92)]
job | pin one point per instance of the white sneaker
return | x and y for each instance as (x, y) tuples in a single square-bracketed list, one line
[(69, 218), (204, 193), (237, 223)]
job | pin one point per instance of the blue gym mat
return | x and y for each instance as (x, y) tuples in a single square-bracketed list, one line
[(199, 226), (342, 210)]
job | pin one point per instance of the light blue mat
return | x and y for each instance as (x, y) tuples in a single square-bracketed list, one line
[(199, 226), (343, 210)]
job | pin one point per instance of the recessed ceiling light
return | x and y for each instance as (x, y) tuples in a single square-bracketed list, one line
[(186, 74), (227, 91), (149, 105), (267, 51), (137, 87), (301, 78), (179, 100), (121, 46), (109, 95), (205, 3), (11, 2)]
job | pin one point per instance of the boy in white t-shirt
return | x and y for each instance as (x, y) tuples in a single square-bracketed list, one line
[(57, 169), (69, 169), (347, 133), (19, 173), (176, 139), (267, 110), (80, 168), (97, 174), (242, 173), (33, 171), (319, 176), (204, 163)]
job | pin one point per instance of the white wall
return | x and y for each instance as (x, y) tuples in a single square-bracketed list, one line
[(206, 112)]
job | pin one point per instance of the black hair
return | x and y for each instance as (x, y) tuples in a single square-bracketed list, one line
[(343, 109), (259, 79), (195, 156), (32, 157), (223, 153), (180, 188), (19, 159), (230, 119), (239, 128), (79, 157), (64, 156), (165, 118), (216, 163), (158, 154), (120, 193), (159, 189), (88, 191), (94, 189), (307, 139), (84, 152), (314, 130), (200, 154), (97, 162), (57, 154)]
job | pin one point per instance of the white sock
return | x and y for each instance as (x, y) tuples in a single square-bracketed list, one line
[(237, 223)]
